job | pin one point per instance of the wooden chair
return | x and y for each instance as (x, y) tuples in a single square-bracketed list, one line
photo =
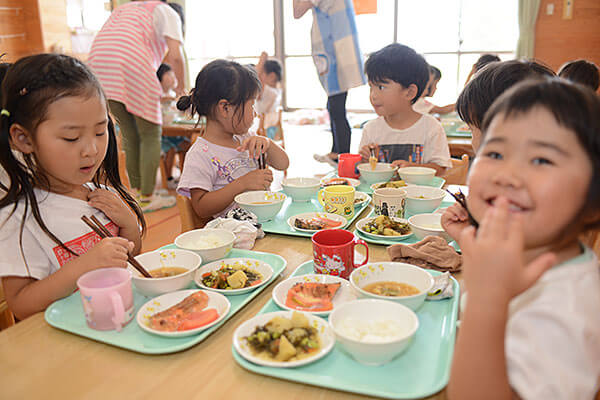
[(189, 219), (457, 175), (7, 319)]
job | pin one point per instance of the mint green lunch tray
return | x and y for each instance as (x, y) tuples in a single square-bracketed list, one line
[(290, 208), (436, 181), (424, 369), (67, 314)]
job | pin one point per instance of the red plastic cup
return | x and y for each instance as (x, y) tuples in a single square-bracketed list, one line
[(333, 252), (347, 165)]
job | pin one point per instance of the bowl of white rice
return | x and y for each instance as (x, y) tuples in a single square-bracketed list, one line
[(372, 331), (210, 244)]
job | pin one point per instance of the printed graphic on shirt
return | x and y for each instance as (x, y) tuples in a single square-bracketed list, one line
[(228, 171), (81, 244), (405, 151)]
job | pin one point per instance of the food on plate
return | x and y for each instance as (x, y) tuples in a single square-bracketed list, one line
[(208, 242), (391, 184), (231, 276), (165, 272), (285, 339), (376, 331), (384, 225), (336, 181), (312, 296), (189, 313), (391, 288), (316, 223)]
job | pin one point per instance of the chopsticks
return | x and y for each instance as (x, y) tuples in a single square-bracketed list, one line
[(262, 161), (97, 227), (461, 199)]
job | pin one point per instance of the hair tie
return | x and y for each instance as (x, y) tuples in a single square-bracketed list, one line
[(23, 91), (5, 112)]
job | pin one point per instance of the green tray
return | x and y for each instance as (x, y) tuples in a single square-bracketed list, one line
[(435, 182), (290, 208), (67, 314), (420, 372)]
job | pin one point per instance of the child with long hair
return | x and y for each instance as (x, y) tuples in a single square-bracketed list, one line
[(53, 115), (531, 323), (223, 162)]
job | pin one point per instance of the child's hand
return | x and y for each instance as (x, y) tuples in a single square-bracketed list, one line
[(454, 220), (109, 252), (494, 257), (365, 151), (401, 163), (256, 145), (114, 208), (259, 179)]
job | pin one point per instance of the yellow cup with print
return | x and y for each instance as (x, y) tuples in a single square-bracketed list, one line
[(338, 199)]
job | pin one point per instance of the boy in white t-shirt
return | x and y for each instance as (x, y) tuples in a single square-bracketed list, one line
[(400, 135)]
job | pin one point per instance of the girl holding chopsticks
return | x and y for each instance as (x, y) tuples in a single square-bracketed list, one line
[(58, 147), (226, 160)]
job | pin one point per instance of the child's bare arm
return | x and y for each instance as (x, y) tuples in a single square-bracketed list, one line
[(276, 156), (439, 170), (443, 109), (301, 7), (207, 204), (495, 271), (26, 296)]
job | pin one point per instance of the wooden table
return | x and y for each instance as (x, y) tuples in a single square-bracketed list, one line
[(38, 361)]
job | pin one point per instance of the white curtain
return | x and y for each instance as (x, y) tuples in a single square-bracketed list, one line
[(528, 12)]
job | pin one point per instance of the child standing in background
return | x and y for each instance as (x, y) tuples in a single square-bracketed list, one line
[(222, 163), (400, 135), (581, 71), (170, 145), (481, 62), (54, 114), (530, 327), (270, 74)]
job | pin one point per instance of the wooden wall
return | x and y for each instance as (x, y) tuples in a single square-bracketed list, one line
[(22, 18), (560, 40)]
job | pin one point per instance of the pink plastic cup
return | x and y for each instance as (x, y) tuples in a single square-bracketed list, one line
[(107, 298)]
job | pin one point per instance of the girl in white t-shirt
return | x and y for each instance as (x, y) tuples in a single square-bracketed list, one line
[(223, 162), (58, 148), (531, 323)]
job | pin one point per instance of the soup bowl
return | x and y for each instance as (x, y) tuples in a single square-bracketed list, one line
[(210, 244), (428, 224), (392, 272), (416, 175), (301, 189), (423, 199), (264, 204), (169, 258), (382, 172), (373, 331)]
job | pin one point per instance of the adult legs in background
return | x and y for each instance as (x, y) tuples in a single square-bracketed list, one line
[(130, 141), (340, 128)]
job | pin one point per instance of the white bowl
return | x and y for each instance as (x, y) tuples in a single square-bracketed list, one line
[(343, 294), (161, 303), (429, 224), (382, 172), (369, 312), (246, 328), (416, 175), (192, 240), (394, 272), (264, 204), (423, 199), (261, 267), (301, 189), (151, 287)]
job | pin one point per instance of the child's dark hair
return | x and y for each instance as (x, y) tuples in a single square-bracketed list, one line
[(221, 80), (29, 87), (484, 60), (163, 69), (574, 107), (398, 63), (489, 83), (435, 72), (581, 71), (274, 66)]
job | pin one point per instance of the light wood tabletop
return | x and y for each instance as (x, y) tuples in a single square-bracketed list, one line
[(39, 361)]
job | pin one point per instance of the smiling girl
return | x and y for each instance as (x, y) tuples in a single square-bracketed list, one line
[(58, 147), (531, 325)]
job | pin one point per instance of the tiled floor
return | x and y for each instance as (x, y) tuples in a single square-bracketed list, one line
[(302, 141)]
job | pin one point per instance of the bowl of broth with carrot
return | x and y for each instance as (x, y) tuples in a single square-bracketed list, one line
[(264, 204)]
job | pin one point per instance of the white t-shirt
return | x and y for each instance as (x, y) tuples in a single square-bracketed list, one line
[(552, 338), (166, 22), (62, 216), (210, 167), (422, 106), (423, 142)]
